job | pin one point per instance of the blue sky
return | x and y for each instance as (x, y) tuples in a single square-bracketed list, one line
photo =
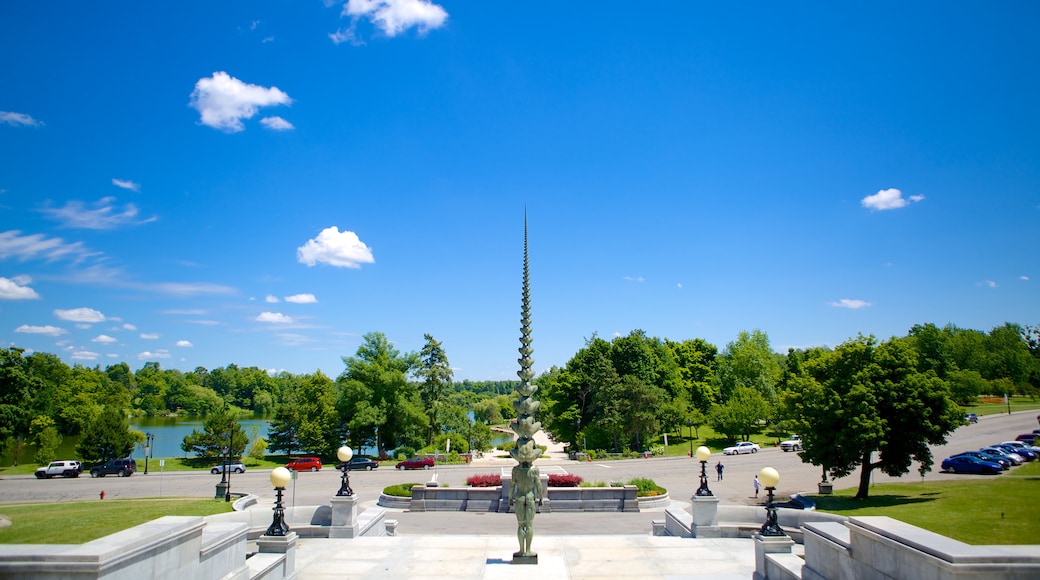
[(261, 183)]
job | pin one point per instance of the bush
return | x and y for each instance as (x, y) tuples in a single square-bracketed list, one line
[(399, 490), (404, 450), (564, 480), (484, 480), (647, 487)]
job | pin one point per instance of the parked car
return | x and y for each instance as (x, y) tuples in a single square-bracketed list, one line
[(792, 444), (304, 464), (1027, 438), (360, 463), (1015, 458), (235, 467), (1000, 454), (1026, 454), (968, 464), (121, 467), (742, 447), (971, 418), (62, 468), (416, 462), (1004, 462)]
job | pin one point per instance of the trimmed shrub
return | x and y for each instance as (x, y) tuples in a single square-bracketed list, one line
[(404, 450), (400, 490), (647, 487), (484, 480), (564, 480)]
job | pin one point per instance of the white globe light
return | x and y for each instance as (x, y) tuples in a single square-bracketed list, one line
[(280, 477), (703, 453), (344, 453), (769, 477)]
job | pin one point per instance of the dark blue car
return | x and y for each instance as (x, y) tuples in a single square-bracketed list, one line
[(1003, 461), (968, 464)]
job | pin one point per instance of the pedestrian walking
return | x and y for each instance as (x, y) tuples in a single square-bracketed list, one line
[(756, 486), (718, 469)]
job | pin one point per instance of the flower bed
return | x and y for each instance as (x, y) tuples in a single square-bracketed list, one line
[(484, 480), (564, 480)]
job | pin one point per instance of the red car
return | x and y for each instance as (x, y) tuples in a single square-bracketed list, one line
[(304, 464), (416, 462)]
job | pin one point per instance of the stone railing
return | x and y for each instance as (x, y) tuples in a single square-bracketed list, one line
[(496, 499)]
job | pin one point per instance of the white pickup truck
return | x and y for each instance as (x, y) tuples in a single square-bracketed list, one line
[(62, 468), (792, 444)]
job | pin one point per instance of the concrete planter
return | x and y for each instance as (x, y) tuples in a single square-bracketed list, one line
[(495, 499)]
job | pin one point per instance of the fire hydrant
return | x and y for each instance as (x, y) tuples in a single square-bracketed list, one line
[(102, 494)]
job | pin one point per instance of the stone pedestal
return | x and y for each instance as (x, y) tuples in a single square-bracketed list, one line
[(826, 487), (769, 545), (518, 559), (344, 517), (281, 545), (221, 492), (705, 510)]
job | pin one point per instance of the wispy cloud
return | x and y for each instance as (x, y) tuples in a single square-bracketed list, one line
[(271, 299), (634, 279), (274, 317), (18, 119), (85, 315), (301, 299), (102, 215), (342, 249), (38, 246), (224, 101), (47, 330), (83, 355), (185, 343), (17, 289), (395, 16), (126, 184), (851, 304), (276, 124), (888, 199), (988, 283), (149, 336), (103, 338), (1024, 278), (146, 355)]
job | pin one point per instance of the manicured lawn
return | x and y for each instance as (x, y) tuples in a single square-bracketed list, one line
[(80, 522), (1001, 509), (995, 408)]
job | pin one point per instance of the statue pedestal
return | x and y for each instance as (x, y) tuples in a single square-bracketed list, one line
[(518, 559), (281, 545), (826, 487), (221, 490), (705, 510), (344, 517)]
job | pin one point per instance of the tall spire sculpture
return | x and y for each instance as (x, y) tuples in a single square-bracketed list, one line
[(525, 487)]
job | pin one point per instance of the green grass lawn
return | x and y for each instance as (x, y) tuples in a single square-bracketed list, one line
[(79, 522), (1001, 509)]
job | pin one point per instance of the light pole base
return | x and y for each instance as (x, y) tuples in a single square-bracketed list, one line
[(222, 488)]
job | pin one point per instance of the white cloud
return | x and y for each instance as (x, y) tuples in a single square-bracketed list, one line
[(989, 284), (634, 279), (336, 249), (184, 344), (396, 16), (348, 35), (189, 289), (1024, 278), (103, 338), (17, 289), (678, 285), (84, 355), (851, 304), (275, 317), (126, 184), (18, 119), (887, 199), (102, 216), (87, 315), (37, 246), (153, 355), (129, 326), (302, 299), (277, 124), (271, 299), (223, 101), (149, 336), (48, 330)]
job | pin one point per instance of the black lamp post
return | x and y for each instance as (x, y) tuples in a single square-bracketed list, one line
[(227, 465), (703, 454), (344, 454), (689, 424), (279, 479), (769, 478), (149, 439)]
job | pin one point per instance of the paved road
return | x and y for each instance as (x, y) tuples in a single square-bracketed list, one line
[(677, 474)]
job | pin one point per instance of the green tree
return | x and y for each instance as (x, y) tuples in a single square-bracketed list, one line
[(377, 397), (696, 361), (321, 429), (18, 387), (108, 437), (865, 398), (436, 376), (219, 429), (749, 361), (45, 435), (283, 434), (740, 415)]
